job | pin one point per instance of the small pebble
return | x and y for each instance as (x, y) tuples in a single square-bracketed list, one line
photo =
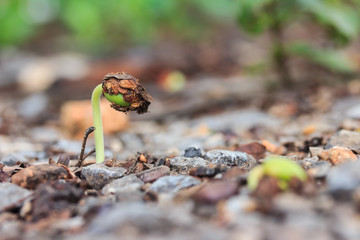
[(337, 155), (13, 158), (192, 152), (12, 195), (345, 138), (316, 168), (153, 174), (344, 179), (315, 151), (128, 183), (184, 163), (203, 172), (98, 175), (172, 184), (231, 158)]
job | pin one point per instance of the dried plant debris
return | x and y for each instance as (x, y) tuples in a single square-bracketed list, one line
[(255, 149), (133, 92), (4, 176), (32, 176), (54, 198)]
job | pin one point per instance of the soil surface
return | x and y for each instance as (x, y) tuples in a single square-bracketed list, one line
[(181, 171)]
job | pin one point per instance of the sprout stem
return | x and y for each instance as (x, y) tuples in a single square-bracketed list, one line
[(99, 136)]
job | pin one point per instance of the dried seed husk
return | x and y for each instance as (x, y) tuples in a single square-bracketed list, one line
[(134, 94)]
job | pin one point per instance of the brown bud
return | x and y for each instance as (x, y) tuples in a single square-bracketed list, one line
[(133, 92)]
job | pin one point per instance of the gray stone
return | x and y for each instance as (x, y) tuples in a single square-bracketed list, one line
[(192, 152), (131, 197), (11, 230), (12, 195), (142, 218), (314, 151), (320, 169), (183, 163), (345, 138), (172, 184), (344, 179), (345, 222), (129, 183), (98, 175), (69, 224), (316, 168), (13, 158), (231, 158)]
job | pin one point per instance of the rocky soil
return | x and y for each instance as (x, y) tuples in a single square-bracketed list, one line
[(173, 175)]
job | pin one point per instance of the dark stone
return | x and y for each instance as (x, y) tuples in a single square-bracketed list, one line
[(192, 152)]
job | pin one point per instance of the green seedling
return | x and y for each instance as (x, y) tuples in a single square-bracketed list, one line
[(254, 177), (278, 167), (125, 94)]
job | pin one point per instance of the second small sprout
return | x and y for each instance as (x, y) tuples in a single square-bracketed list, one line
[(278, 167)]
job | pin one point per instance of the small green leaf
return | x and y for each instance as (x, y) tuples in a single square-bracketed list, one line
[(283, 169), (331, 59), (254, 177), (253, 16), (340, 16), (117, 99), (280, 168)]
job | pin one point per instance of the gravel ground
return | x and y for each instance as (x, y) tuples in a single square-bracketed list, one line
[(186, 178)]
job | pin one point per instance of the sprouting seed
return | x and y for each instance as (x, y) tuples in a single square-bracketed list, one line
[(125, 94)]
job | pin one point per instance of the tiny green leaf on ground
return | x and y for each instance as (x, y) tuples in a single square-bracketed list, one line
[(279, 167)]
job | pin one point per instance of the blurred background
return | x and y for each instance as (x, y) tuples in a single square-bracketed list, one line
[(194, 57)]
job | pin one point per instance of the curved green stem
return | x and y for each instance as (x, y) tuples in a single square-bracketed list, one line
[(99, 136)]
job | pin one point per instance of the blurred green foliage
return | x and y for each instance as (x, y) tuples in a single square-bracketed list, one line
[(105, 26), (110, 23), (339, 19)]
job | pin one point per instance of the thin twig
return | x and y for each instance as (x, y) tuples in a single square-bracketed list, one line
[(89, 153), (86, 135)]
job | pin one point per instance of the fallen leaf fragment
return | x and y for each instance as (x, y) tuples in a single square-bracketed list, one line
[(272, 147), (255, 149), (32, 176)]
